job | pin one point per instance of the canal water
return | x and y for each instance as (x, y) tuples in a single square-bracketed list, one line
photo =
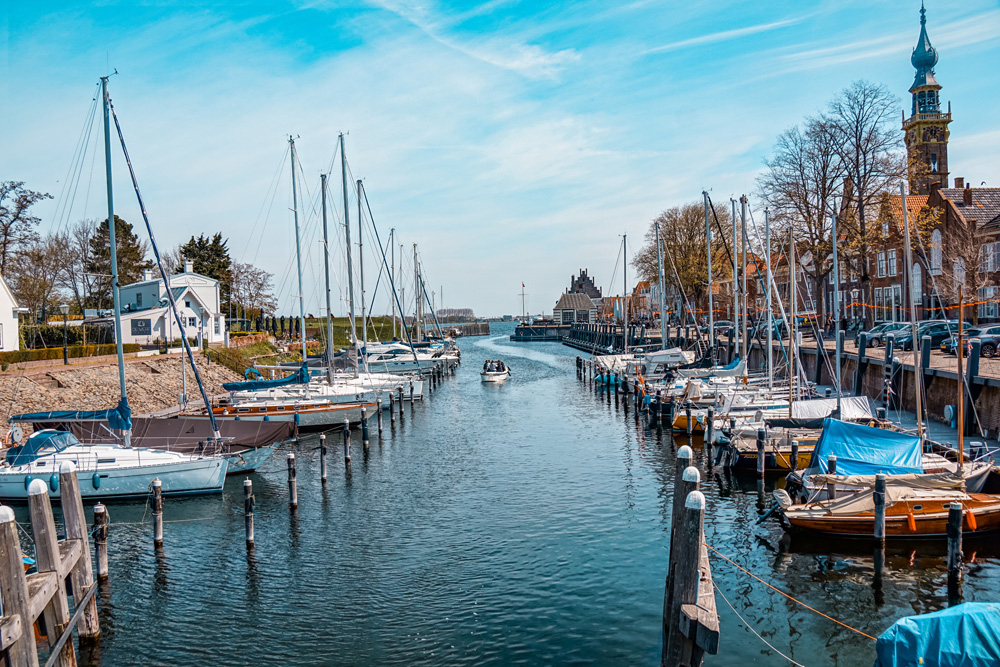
[(518, 524)]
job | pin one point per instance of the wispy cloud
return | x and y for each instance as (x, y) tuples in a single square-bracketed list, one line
[(722, 36)]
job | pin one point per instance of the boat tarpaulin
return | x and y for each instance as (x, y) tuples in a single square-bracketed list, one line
[(119, 418), (811, 413), (301, 376), (36, 442), (187, 436), (966, 635), (864, 450)]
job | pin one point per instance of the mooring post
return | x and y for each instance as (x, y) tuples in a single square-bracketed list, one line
[(101, 528), (347, 443), (322, 458), (392, 407), (710, 426), (49, 559), (364, 426), (82, 575), (794, 461), (687, 417), (411, 394), (760, 451), (293, 492), (378, 409), (685, 457), (157, 513), (248, 503), (687, 541), (831, 469), (879, 497), (954, 554), (400, 400), (14, 592)]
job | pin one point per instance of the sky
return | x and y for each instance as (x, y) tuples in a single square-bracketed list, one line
[(513, 142)]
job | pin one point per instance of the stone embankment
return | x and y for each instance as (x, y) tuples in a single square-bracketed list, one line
[(153, 383)]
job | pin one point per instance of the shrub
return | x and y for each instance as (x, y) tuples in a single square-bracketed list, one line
[(76, 351)]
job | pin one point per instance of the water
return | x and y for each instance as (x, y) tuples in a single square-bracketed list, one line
[(524, 523)]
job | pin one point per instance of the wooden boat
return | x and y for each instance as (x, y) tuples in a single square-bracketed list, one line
[(910, 512), (495, 376)]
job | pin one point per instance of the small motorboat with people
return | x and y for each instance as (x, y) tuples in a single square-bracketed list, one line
[(494, 370)]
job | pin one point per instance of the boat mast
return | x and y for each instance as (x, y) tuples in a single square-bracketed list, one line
[(523, 315), (361, 272), (326, 271), (913, 316), (625, 292), (347, 236), (711, 307), (114, 252), (298, 257), (767, 290), (416, 292), (660, 279), (402, 295), (836, 309), (392, 274), (736, 281), (792, 359), (959, 349)]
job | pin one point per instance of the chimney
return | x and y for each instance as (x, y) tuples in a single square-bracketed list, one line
[(959, 182), (967, 195), (188, 266), (147, 274)]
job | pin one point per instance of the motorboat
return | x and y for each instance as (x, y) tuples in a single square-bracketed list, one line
[(495, 376)]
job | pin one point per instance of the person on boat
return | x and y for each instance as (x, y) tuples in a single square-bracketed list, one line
[(486, 365), (500, 366)]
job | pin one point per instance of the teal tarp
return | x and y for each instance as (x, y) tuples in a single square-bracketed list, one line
[(50, 439), (119, 418), (300, 376), (966, 635), (863, 450)]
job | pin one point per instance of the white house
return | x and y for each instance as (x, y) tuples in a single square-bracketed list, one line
[(8, 318), (146, 316)]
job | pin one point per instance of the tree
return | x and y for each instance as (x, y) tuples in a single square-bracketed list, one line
[(862, 121), (17, 225), (173, 260), (253, 290), (803, 178), (36, 273), (210, 257), (131, 254)]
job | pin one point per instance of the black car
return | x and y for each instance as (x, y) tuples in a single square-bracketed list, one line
[(938, 330), (989, 337)]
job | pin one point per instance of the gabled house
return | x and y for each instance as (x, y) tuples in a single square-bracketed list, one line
[(8, 319), (574, 307)]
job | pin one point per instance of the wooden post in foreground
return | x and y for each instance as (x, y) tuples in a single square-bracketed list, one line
[(347, 439), (102, 525), (322, 458), (293, 492), (879, 498), (82, 575), (248, 503), (157, 513), (19, 639), (48, 559), (955, 554)]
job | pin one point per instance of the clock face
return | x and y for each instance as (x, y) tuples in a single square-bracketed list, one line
[(932, 134)]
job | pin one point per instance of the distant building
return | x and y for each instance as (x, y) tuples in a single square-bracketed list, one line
[(584, 284), (574, 307), (8, 318)]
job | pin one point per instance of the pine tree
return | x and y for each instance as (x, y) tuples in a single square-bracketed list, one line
[(210, 257), (131, 252)]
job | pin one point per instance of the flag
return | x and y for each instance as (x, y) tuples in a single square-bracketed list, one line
[(522, 284)]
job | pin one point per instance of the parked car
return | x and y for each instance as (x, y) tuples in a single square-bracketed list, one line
[(877, 334), (938, 330), (780, 330), (722, 328), (989, 337)]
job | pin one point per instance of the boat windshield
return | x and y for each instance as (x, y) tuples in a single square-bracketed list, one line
[(40, 443)]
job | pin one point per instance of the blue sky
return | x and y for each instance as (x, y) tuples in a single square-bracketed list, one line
[(512, 141)]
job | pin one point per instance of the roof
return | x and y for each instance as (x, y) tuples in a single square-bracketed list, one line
[(574, 301), (985, 209), (913, 205)]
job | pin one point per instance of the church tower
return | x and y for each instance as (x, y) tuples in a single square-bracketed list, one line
[(927, 127)]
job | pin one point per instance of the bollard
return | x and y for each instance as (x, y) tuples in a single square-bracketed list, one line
[(378, 408), (293, 492), (347, 443), (248, 503), (400, 400), (157, 513), (687, 416), (879, 497), (710, 426), (794, 460), (364, 426), (411, 394), (392, 407), (880, 414), (955, 553), (760, 450), (322, 458), (683, 580), (101, 527), (831, 469)]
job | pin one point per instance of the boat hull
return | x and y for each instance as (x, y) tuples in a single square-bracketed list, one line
[(487, 376), (249, 459)]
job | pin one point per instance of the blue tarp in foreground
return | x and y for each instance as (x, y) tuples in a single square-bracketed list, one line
[(36, 442), (300, 376), (119, 418), (966, 635), (863, 450)]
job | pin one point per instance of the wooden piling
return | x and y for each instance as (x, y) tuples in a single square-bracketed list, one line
[(411, 394), (157, 487), (322, 458), (761, 444), (831, 469), (347, 442), (82, 575), (392, 408), (794, 461), (48, 559), (248, 504), (293, 492), (955, 554), (710, 426), (19, 639), (364, 426), (400, 402), (378, 408), (879, 497), (101, 529), (687, 416)]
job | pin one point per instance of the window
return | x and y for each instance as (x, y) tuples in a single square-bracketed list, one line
[(192, 321), (1, 335), (959, 271), (916, 286), (989, 307), (936, 252), (885, 228), (897, 303), (879, 312), (187, 304), (854, 303), (217, 320), (138, 299), (891, 262), (934, 164), (881, 265)]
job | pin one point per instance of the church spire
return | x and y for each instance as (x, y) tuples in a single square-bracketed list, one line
[(924, 57)]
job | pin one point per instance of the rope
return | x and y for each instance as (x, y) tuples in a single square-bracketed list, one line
[(746, 571), (769, 645)]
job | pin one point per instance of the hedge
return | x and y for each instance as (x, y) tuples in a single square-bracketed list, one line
[(40, 336), (20, 356)]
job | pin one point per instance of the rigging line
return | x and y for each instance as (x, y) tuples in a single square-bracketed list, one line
[(750, 628), (722, 233), (72, 179), (90, 179), (767, 287), (271, 187)]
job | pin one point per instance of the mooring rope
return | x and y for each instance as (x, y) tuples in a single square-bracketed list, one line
[(750, 628), (746, 571)]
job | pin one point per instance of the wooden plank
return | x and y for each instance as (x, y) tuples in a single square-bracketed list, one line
[(41, 587), (700, 621), (69, 553), (14, 591), (10, 631)]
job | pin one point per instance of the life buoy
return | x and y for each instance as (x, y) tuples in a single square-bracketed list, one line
[(8, 437)]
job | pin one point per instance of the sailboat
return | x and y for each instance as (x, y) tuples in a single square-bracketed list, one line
[(112, 469)]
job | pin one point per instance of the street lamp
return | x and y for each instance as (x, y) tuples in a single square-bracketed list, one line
[(64, 309)]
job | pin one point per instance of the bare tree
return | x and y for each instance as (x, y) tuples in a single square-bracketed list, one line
[(76, 279), (862, 121), (803, 177), (36, 273), (17, 225), (253, 290), (173, 260)]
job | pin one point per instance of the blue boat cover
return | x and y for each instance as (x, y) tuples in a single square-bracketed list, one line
[(36, 442), (119, 418), (732, 364), (863, 450), (300, 376), (966, 635)]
